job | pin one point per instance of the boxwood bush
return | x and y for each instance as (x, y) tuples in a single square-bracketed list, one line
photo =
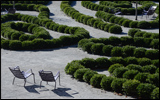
[(149, 68), (79, 73), (116, 51), (143, 25), (113, 67), (88, 75), (115, 60), (142, 76), (139, 52), (117, 84), (152, 54), (153, 79), (130, 74), (132, 31), (144, 61), (155, 93), (106, 82), (97, 48), (129, 87), (88, 63), (107, 50), (128, 50), (118, 72), (15, 45), (155, 43), (103, 62), (116, 29), (134, 67), (96, 80), (144, 90)]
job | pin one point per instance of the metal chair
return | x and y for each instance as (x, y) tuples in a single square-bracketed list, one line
[(48, 77), (21, 74), (150, 11)]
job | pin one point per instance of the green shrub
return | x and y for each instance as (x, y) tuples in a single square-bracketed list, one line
[(152, 54), (103, 62), (130, 74), (149, 68), (147, 35), (144, 90), (5, 44), (134, 67), (141, 77), (118, 72), (113, 67), (106, 82), (155, 93), (154, 24), (15, 45), (126, 40), (112, 18), (153, 79), (129, 87), (55, 27), (117, 84), (27, 45), (116, 20), (88, 75), (133, 24), (139, 52), (139, 34), (114, 40), (107, 50), (132, 31), (88, 63), (143, 25), (116, 51), (155, 62), (96, 80), (38, 43), (97, 48), (119, 60), (155, 43), (79, 73), (15, 36), (126, 23), (154, 35), (87, 47), (72, 67), (128, 50), (23, 37), (139, 41), (144, 61), (147, 42), (116, 29), (108, 16), (106, 27)]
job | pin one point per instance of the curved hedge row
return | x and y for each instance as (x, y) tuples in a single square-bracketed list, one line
[(89, 20), (134, 32), (32, 42), (116, 51), (129, 84)]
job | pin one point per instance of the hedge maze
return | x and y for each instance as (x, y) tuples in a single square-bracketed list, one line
[(134, 69)]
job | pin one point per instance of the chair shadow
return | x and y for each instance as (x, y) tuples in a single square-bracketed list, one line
[(62, 92), (73, 3), (51, 14), (32, 88)]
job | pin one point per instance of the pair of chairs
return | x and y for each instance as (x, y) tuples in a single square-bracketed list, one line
[(45, 75)]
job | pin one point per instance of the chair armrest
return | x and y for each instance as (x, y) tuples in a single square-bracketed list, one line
[(28, 71), (57, 75)]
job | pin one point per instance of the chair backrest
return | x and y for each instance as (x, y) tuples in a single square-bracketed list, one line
[(17, 73), (150, 12), (46, 76)]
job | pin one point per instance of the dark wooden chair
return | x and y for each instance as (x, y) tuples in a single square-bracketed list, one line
[(21, 74), (12, 10), (150, 11), (48, 77)]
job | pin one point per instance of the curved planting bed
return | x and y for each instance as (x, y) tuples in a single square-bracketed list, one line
[(16, 39)]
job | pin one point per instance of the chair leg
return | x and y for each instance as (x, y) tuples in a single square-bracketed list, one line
[(40, 84), (59, 80), (34, 78), (55, 85), (13, 80), (24, 82)]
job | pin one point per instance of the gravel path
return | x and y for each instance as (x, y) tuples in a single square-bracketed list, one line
[(53, 60)]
